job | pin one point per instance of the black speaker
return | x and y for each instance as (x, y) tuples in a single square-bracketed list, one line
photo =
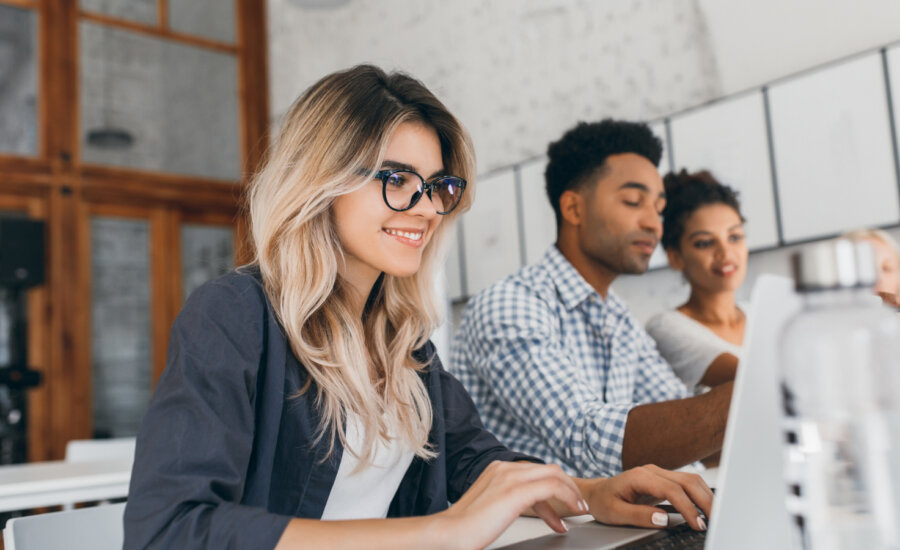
[(21, 252)]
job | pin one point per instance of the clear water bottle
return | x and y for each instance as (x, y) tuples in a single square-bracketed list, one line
[(840, 362)]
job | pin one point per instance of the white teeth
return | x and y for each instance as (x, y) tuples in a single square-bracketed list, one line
[(406, 234)]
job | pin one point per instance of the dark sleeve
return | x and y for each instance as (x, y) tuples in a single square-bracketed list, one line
[(196, 439), (469, 446)]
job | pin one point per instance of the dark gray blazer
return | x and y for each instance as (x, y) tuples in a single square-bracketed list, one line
[(225, 456)]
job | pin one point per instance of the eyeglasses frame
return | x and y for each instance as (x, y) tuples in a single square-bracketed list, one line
[(426, 187)]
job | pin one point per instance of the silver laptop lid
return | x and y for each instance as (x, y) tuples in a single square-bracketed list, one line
[(749, 509)]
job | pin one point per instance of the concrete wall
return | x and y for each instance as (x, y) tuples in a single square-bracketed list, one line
[(516, 73)]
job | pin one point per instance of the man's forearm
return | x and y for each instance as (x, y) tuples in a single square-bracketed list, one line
[(722, 369), (672, 434)]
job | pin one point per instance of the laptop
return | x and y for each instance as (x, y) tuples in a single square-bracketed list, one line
[(749, 508)]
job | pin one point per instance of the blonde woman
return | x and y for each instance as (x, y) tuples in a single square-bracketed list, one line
[(887, 256), (303, 387)]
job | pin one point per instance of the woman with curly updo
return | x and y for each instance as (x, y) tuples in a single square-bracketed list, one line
[(703, 236)]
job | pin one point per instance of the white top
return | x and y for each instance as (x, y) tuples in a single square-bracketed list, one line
[(367, 494), (688, 345)]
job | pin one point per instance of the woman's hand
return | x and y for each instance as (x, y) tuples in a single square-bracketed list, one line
[(889, 299), (501, 494), (506, 490), (629, 498)]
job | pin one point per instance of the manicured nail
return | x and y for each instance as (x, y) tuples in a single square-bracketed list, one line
[(584, 506), (565, 526), (660, 518), (702, 524)]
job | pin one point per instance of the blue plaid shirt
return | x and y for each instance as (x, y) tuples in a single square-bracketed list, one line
[(554, 368)]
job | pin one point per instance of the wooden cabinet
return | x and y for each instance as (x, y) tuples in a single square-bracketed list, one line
[(129, 128)]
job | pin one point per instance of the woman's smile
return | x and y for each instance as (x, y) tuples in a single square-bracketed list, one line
[(408, 237)]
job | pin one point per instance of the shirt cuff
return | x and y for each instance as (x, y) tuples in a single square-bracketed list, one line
[(605, 437)]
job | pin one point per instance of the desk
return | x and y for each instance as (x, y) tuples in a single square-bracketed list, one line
[(525, 529), (584, 527), (24, 486)]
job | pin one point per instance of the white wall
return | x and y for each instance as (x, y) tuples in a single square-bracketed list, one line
[(757, 41), (516, 72)]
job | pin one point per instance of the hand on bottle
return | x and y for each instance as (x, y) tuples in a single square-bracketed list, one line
[(629, 498), (501, 494)]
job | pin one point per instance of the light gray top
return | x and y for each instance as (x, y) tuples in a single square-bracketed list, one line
[(688, 345)]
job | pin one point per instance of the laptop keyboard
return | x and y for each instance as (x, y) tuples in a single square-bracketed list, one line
[(678, 537)]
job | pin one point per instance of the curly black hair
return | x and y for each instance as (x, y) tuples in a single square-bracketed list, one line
[(685, 193), (576, 157)]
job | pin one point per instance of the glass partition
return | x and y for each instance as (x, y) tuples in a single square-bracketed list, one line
[(18, 81), (158, 105), (206, 252), (120, 321), (212, 19), (139, 11)]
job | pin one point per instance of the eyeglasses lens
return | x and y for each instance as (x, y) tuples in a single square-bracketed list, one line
[(446, 193), (402, 188)]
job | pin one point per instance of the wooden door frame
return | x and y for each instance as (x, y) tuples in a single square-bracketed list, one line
[(159, 221), (57, 187)]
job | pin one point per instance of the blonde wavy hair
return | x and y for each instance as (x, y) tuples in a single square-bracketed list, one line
[(331, 142), (877, 234)]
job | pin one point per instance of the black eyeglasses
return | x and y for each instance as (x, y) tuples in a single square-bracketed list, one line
[(402, 189)]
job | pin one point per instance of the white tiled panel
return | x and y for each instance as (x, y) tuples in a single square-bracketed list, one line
[(491, 232), (833, 156), (729, 139), (539, 225)]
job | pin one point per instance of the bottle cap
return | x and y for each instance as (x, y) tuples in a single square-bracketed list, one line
[(835, 263)]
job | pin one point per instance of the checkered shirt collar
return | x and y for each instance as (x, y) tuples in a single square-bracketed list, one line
[(571, 286), (573, 290)]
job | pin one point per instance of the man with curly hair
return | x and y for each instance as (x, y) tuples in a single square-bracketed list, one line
[(554, 360)]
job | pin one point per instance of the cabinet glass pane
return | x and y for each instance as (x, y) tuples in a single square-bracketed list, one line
[(141, 11), (206, 252), (8, 311), (207, 18), (18, 81), (156, 105), (13, 401), (120, 319)]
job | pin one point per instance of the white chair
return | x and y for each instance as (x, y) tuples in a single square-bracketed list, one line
[(83, 450), (97, 528)]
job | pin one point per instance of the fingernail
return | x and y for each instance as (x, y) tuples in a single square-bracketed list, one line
[(660, 518), (702, 524), (565, 526), (584, 506)]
